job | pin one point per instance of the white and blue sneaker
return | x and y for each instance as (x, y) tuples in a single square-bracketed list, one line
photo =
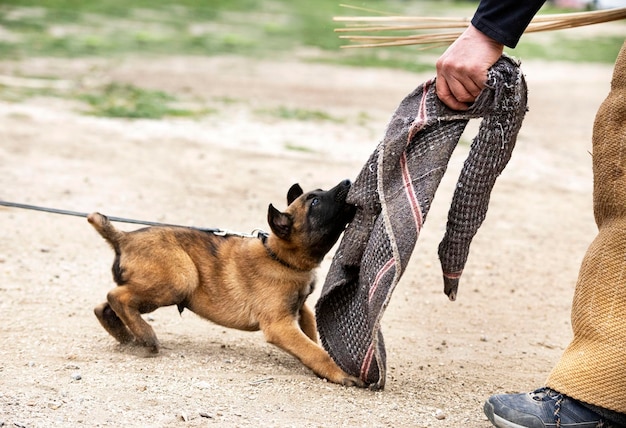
[(543, 408)]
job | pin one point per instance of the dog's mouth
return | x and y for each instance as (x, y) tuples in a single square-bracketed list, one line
[(340, 213), (346, 215), (349, 210)]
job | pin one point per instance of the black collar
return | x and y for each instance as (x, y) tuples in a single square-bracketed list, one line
[(263, 237)]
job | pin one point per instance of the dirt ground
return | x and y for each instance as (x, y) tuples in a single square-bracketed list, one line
[(59, 368)]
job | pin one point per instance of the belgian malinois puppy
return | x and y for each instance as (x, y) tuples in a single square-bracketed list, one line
[(247, 283)]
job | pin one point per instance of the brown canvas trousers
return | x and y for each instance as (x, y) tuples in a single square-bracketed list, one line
[(593, 367)]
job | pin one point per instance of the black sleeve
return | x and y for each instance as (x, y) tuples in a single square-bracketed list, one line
[(505, 20)]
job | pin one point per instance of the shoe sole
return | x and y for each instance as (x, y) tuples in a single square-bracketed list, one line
[(496, 420)]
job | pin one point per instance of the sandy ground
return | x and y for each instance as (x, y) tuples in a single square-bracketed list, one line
[(59, 368)]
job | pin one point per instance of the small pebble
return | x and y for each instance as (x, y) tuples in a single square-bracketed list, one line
[(203, 385), (54, 406), (76, 376), (439, 414)]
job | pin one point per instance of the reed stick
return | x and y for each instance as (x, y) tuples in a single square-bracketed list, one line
[(391, 23)]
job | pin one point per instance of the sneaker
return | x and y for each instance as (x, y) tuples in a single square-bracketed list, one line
[(543, 408)]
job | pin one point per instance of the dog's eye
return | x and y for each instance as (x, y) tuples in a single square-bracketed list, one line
[(315, 201)]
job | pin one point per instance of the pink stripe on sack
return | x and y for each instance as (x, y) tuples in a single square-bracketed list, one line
[(420, 120), (379, 275), (416, 210), (416, 126), (453, 275), (367, 361)]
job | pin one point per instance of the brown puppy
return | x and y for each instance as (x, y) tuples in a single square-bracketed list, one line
[(247, 283)]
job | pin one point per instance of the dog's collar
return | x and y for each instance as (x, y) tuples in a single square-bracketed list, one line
[(263, 237)]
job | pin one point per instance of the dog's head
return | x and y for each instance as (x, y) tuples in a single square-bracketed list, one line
[(313, 221)]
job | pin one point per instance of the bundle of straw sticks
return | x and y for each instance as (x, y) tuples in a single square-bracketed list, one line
[(450, 28)]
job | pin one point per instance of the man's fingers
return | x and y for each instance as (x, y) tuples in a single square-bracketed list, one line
[(462, 91), (447, 97), (462, 69)]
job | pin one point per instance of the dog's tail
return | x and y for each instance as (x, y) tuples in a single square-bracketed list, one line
[(104, 227)]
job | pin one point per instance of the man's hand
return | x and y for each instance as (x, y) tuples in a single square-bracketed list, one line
[(462, 69)]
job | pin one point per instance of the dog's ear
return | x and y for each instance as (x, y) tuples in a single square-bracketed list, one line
[(280, 223), (294, 192)]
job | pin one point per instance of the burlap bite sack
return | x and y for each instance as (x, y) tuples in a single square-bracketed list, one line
[(593, 367), (393, 194)]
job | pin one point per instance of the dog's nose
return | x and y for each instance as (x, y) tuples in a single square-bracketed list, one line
[(346, 182)]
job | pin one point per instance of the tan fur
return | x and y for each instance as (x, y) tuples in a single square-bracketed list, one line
[(237, 282)]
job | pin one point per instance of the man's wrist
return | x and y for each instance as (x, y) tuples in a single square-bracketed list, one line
[(476, 34)]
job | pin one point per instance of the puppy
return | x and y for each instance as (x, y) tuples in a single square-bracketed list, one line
[(247, 283)]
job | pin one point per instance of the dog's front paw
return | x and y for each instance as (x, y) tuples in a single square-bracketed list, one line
[(353, 381)]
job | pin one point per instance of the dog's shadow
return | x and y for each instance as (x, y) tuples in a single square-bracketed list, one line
[(227, 354)]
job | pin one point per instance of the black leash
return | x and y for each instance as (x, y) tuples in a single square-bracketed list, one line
[(116, 219)]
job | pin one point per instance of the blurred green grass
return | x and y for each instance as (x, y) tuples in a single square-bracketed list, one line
[(116, 100), (263, 29), (283, 112), (276, 29)]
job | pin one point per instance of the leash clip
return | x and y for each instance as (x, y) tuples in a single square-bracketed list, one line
[(256, 233)]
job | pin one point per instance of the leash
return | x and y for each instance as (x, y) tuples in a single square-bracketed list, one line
[(219, 232), (256, 233)]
